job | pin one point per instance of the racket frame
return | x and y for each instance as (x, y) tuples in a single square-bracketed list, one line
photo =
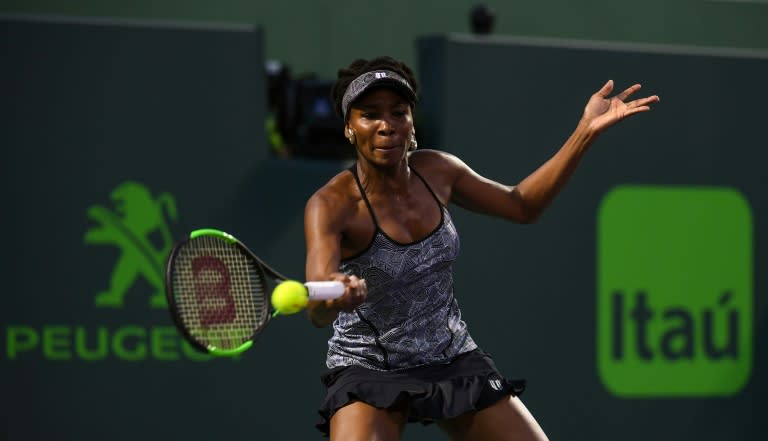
[(260, 266)]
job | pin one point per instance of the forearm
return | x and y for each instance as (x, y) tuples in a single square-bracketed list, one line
[(539, 188), (322, 313)]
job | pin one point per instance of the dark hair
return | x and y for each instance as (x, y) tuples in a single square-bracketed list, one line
[(361, 66)]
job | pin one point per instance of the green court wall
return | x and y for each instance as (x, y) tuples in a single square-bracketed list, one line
[(165, 119), (320, 36), (541, 297)]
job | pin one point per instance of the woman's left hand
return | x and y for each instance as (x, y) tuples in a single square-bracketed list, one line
[(603, 111)]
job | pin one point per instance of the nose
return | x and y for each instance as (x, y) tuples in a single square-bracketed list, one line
[(386, 127)]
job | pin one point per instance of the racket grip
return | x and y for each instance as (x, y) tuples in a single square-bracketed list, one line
[(324, 290)]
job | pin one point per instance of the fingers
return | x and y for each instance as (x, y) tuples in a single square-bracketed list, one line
[(358, 290), (628, 91), (606, 89), (635, 106), (355, 293), (639, 102), (642, 104), (649, 100)]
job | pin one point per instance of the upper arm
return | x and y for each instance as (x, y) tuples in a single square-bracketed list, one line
[(472, 191), (322, 232)]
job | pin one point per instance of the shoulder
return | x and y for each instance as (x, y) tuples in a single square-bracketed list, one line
[(437, 164), (441, 170), (334, 198)]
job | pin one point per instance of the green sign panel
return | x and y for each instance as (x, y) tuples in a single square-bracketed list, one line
[(674, 291)]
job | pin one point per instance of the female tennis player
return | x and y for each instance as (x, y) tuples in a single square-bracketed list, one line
[(400, 351)]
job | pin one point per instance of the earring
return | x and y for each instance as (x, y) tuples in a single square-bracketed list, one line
[(351, 136), (413, 143)]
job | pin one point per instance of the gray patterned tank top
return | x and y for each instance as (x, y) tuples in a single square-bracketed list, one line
[(410, 317)]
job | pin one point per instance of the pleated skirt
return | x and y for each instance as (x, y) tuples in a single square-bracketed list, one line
[(430, 393)]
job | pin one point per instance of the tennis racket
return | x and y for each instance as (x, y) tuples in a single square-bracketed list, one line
[(219, 292)]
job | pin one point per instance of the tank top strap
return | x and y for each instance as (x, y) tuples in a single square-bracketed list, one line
[(353, 170), (439, 204)]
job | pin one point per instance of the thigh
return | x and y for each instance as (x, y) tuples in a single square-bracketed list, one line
[(360, 421), (506, 420)]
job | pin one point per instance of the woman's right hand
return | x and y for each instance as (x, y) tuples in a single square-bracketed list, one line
[(355, 292)]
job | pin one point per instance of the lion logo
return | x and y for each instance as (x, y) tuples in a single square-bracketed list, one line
[(136, 215)]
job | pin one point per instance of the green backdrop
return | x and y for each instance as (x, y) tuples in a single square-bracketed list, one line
[(669, 205), (321, 35), (122, 134)]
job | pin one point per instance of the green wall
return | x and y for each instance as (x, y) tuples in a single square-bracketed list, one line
[(321, 35), (93, 107), (667, 209)]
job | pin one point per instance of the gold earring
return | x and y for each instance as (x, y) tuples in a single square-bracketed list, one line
[(351, 137), (413, 143)]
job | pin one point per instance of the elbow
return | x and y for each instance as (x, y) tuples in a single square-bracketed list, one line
[(529, 218), (317, 324), (320, 315), (528, 214), (316, 321), (527, 209)]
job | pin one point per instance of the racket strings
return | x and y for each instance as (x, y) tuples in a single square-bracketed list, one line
[(219, 292)]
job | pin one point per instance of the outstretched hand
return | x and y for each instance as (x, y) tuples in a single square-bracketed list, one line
[(603, 111)]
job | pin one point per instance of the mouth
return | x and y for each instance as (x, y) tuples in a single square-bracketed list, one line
[(387, 147)]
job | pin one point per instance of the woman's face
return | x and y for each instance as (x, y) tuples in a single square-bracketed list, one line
[(382, 123)]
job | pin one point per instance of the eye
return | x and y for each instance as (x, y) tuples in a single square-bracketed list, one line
[(400, 111)]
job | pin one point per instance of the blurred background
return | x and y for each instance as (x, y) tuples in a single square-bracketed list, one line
[(635, 307)]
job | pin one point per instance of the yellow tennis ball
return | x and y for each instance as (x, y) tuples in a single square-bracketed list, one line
[(289, 297)]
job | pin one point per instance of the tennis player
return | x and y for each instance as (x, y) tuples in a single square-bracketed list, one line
[(400, 351)]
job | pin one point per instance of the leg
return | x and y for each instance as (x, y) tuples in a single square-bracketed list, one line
[(359, 421), (506, 420)]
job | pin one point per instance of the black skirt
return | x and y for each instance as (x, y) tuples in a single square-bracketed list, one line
[(429, 393)]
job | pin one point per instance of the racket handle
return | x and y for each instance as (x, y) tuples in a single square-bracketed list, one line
[(324, 290)]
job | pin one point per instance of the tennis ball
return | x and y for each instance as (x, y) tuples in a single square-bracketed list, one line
[(289, 297)]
